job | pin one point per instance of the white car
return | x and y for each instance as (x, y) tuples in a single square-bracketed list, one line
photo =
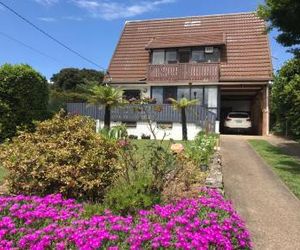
[(239, 121)]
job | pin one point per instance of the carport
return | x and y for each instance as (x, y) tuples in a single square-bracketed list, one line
[(247, 98)]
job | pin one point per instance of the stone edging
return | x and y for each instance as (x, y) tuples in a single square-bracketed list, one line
[(215, 177)]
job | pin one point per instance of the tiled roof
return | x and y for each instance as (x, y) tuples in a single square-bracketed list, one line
[(190, 40), (247, 46)]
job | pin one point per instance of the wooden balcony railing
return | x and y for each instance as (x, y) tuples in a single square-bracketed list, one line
[(184, 71)]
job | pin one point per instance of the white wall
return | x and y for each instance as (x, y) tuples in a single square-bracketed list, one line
[(174, 133), (237, 105)]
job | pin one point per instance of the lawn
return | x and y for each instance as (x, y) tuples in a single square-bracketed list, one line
[(287, 167)]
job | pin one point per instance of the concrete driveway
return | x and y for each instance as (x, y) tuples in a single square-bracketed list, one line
[(271, 211)]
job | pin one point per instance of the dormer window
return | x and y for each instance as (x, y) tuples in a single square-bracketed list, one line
[(198, 56), (158, 57), (213, 57), (171, 56), (185, 55)]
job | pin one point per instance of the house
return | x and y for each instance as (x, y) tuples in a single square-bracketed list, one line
[(222, 60)]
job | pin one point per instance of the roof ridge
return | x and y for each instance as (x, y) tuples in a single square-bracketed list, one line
[(176, 18)]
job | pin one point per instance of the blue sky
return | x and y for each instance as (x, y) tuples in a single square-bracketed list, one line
[(92, 27)]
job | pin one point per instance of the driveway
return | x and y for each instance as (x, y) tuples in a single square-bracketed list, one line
[(271, 211)]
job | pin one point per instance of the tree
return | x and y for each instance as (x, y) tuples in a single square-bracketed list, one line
[(285, 102), (108, 96), (284, 15), (69, 78), (23, 98), (181, 105)]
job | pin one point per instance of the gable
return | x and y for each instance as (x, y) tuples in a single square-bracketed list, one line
[(244, 36)]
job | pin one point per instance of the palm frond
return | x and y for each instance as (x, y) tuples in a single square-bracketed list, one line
[(182, 103), (105, 95)]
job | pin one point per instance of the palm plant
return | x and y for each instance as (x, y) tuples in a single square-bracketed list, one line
[(108, 96), (181, 105)]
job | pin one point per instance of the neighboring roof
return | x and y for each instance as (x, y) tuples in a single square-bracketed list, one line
[(191, 40), (247, 46)]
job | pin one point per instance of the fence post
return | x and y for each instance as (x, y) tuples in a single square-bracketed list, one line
[(97, 126)]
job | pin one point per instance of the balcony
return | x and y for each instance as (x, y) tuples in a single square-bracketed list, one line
[(206, 72)]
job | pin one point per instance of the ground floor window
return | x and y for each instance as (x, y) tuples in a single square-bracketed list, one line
[(211, 98), (207, 95), (130, 94)]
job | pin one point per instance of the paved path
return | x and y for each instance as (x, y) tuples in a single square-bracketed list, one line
[(271, 211)]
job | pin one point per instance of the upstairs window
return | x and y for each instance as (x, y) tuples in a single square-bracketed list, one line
[(158, 57), (213, 57), (198, 56), (171, 56), (184, 55)]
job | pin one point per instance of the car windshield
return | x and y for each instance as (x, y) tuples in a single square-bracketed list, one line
[(238, 115)]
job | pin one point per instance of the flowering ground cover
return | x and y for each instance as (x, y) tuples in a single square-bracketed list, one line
[(207, 222)]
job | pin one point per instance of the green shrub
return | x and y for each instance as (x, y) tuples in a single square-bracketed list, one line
[(130, 197), (58, 99), (201, 149), (23, 98), (143, 178), (64, 155), (160, 161), (117, 132)]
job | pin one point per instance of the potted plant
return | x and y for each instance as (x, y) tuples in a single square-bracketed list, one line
[(134, 137), (146, 137)]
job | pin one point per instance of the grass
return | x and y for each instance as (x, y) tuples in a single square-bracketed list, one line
[(142, 145), (287, 167)]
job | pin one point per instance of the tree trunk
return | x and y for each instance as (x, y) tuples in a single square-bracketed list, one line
[(183, 123), (107, 117)]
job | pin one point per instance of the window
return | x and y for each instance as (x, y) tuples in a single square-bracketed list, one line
[(157, 94), (197, 93), (198, 56), (162, 94), (211, 97), (171, 56), (158, 57), (164, 125), (183, 92), (130, 94), (184, 56), (129, 124), (169, 92), (213, 57)]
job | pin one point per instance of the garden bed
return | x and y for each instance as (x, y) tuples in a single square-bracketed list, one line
[(106, 191), (206, 222)]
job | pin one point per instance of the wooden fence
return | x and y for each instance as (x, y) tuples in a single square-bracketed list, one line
[(141, 112)]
